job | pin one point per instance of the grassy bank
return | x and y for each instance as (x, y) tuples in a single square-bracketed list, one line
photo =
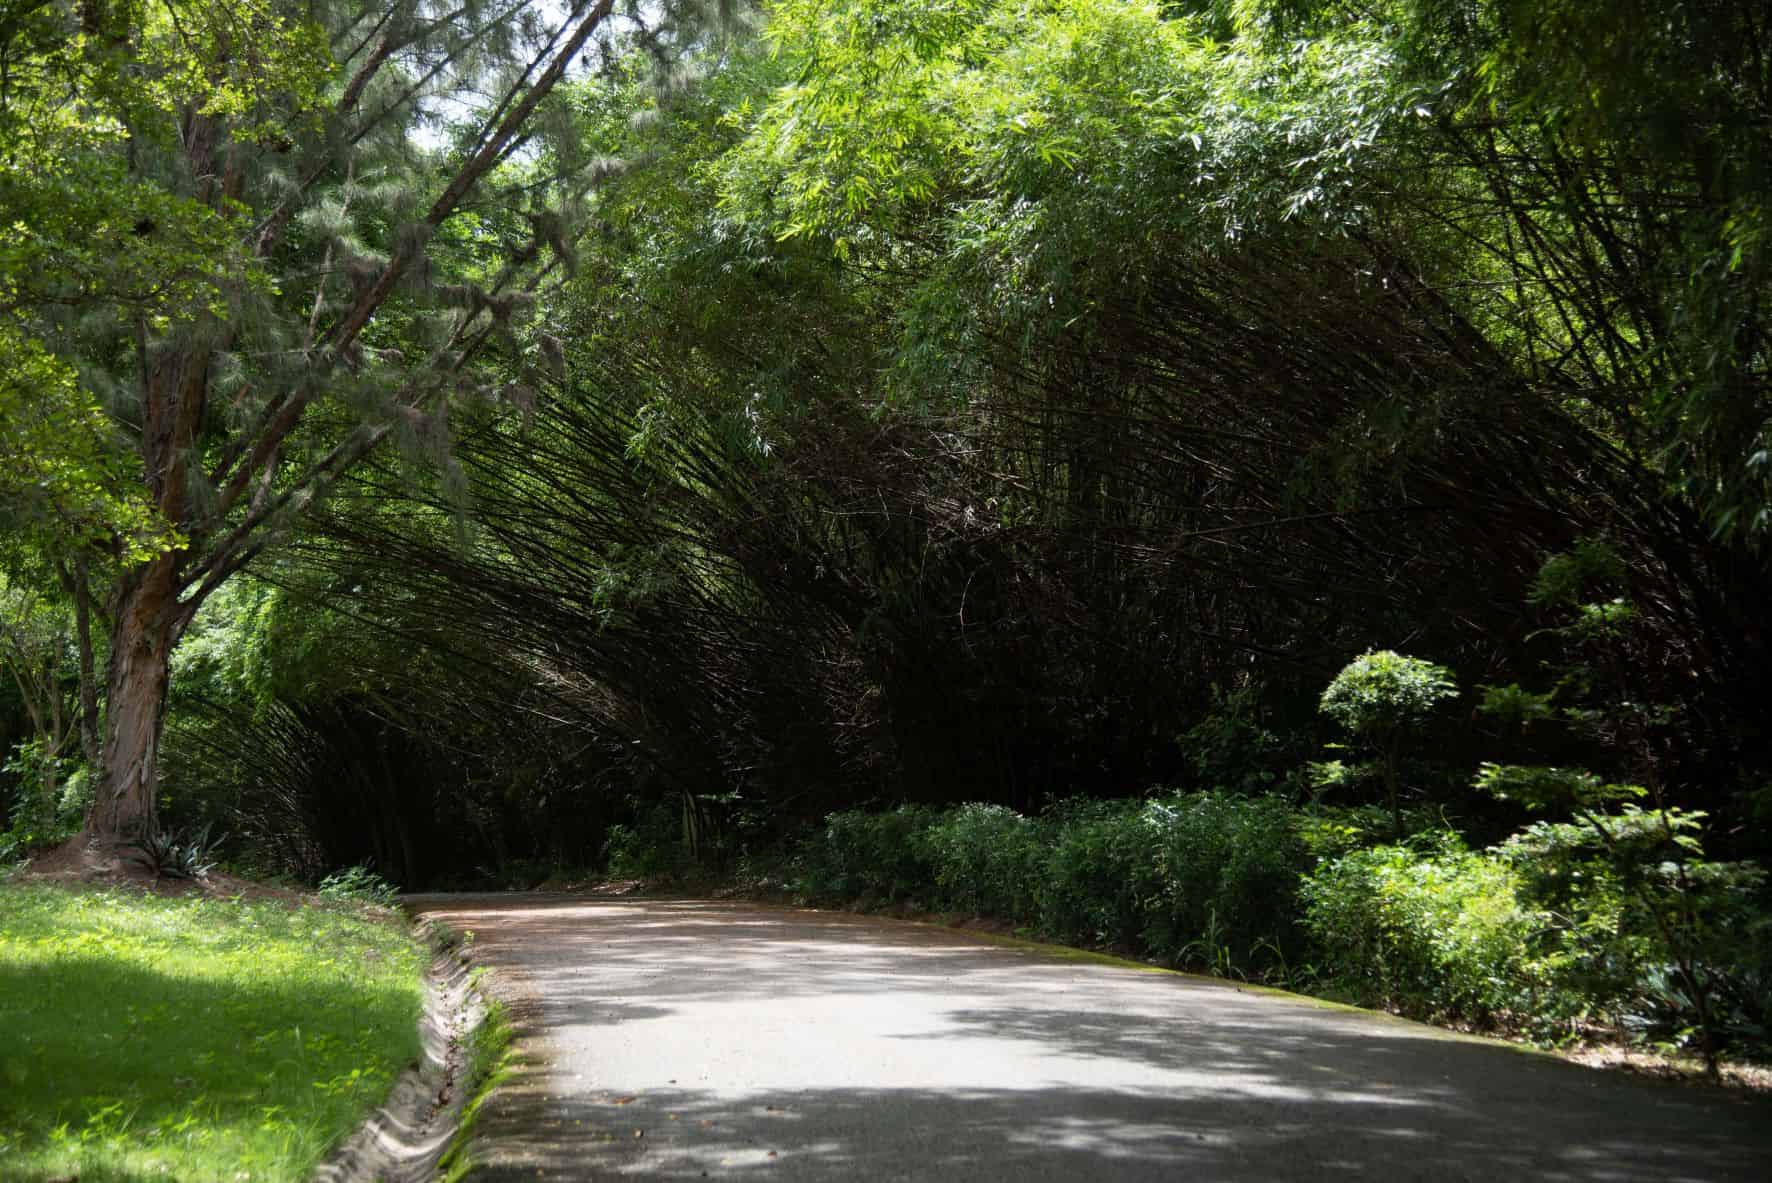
[(150, 1038)]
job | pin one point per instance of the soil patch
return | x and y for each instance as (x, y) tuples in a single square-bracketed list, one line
[(78, 862)]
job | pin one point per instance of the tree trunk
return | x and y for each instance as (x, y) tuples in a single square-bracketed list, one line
[(148, 615)]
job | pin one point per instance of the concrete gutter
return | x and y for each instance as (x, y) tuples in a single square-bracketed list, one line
[(405, 1139)]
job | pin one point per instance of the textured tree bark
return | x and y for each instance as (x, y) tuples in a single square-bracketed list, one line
[(125, 804)]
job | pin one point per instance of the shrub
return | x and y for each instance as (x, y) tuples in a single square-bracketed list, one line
[(1677, 945), (1442, 933), (1377, 697), (36, 820), (1227, 871), (1548, 928), (361, 884), (652, 846), (1102, 864), (1231, 746), (1380, 692), (76, 798), (884, 856), (988, 859), (170, 854), (626, 854), (1205, 879), (1330, 831)]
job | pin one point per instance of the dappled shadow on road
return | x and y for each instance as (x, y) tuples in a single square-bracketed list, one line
[(809, 1046), (711, 945), (1058, 1133)]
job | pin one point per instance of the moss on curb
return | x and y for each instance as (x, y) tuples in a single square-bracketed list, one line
[(490, 1059)]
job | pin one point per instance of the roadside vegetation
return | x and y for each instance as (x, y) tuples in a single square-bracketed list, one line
[(1538, 900), (144, 1037), (1296, 475), (1318, 900), (491, 1059)]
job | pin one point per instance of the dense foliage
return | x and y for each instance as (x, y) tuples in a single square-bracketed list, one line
[(843, 404), (1254, 888)]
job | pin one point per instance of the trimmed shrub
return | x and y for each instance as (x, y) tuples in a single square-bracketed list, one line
[(1251, 886), (1202, 879)]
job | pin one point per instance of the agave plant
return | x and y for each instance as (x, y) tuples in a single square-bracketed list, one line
[(174, 855)]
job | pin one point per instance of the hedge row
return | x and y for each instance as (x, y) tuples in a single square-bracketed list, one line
[(1251, 886)]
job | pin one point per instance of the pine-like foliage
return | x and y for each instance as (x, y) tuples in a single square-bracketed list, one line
[(271, 239)]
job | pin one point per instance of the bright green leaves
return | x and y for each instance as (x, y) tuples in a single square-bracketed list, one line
[(865, 127), (1516, 704), (1380, 691), (86, 216), (1376, 697), (82, 232), (1017, 100), (260, 68), (1032, 160), (65, 478), (102, 232), (1539, 787), (1592, 568)]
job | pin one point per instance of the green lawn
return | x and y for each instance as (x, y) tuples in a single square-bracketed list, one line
[(187, 1039)]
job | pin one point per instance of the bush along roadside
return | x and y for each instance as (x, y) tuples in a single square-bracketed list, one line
[(1207, 880), (1614, 922)]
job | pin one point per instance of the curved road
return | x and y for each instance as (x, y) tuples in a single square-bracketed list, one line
[(688, 1040)]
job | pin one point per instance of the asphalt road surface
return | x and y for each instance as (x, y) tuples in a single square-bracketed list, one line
[(688, 1040)]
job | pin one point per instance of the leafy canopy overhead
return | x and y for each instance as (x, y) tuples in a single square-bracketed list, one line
[(65, 477)]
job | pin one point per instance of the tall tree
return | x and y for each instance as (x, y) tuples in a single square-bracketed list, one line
[(232, 222)]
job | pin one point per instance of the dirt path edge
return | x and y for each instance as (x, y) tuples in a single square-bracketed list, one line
[(404, 1140)]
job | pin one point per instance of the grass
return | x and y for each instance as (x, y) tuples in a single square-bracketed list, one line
[(149, 1038), (490, 1062)]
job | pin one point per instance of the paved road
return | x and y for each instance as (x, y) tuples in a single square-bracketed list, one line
[(687, 1040)]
